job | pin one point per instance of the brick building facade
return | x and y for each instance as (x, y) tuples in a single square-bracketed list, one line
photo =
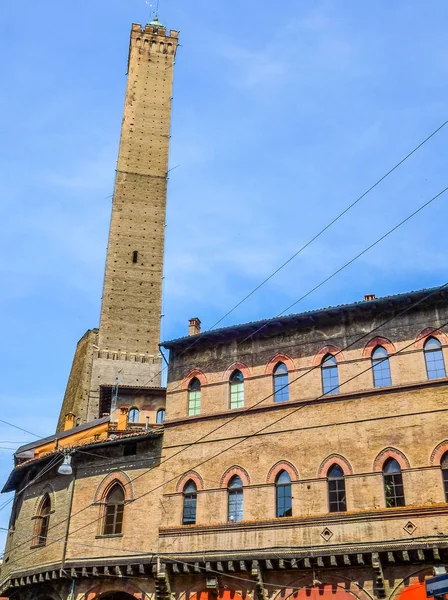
[(302, 456)]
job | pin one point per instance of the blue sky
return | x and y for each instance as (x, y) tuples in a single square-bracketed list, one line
[(283, 114)]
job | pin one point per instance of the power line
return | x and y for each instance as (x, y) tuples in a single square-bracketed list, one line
[(20, 429), (340, 269), (243, 439), (287, 385), (335, 220), (168, 558), (307, 244), (351, 261)]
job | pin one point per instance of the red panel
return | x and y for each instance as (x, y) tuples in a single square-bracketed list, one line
[(326, 592), (416, 591)]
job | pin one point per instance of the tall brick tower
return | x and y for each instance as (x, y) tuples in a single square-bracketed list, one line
[(126, 346)]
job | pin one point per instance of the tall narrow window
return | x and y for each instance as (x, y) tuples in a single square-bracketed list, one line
[(194, 397), (113, 516), (281, 389), (330, 379), (190, 502), (135, 257), (237, 390), (393, 483), (235, 499), (444, 466), (160, 416), (435, 365), (43, 521), (381, 367), (337, 501), (283, 495), (133, 415)]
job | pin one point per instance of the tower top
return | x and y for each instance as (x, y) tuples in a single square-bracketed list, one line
[(155, 28)]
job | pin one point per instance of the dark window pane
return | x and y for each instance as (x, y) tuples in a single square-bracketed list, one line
[(381, 367), (394, 491), (189, 512), (235, 505), (133, 415), (284, 500), (336, 490), (281, 388), (435, 364), (330, 378)]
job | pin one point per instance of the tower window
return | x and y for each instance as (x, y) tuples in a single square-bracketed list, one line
[(135, 257)]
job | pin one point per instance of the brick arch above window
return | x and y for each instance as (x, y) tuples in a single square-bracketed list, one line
[(279, 358), (437, 453), (47, 490), (374, 343), (327, 350), (107, 484), (430, 332), (399, 456), (199, 482), (282, 465), (235, 470), (334, 459), (236, 366), (191, 375)]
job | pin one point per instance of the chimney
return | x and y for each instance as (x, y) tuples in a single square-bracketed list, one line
[(69, 421), (123, 419), (194, 327), (368, 297)]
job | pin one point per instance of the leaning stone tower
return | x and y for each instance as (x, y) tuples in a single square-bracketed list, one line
[(125, 348)]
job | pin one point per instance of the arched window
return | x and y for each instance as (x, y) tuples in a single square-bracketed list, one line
[(190, 502), (235, 499), (283, 495), (444, 467), (281, 389), (381, 367), (133, 415), (194, 397), (236, 390), (337, 500), (42, 521), (393, 483), (330, 379), (113, 516), (435, 365), (160, 417)]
